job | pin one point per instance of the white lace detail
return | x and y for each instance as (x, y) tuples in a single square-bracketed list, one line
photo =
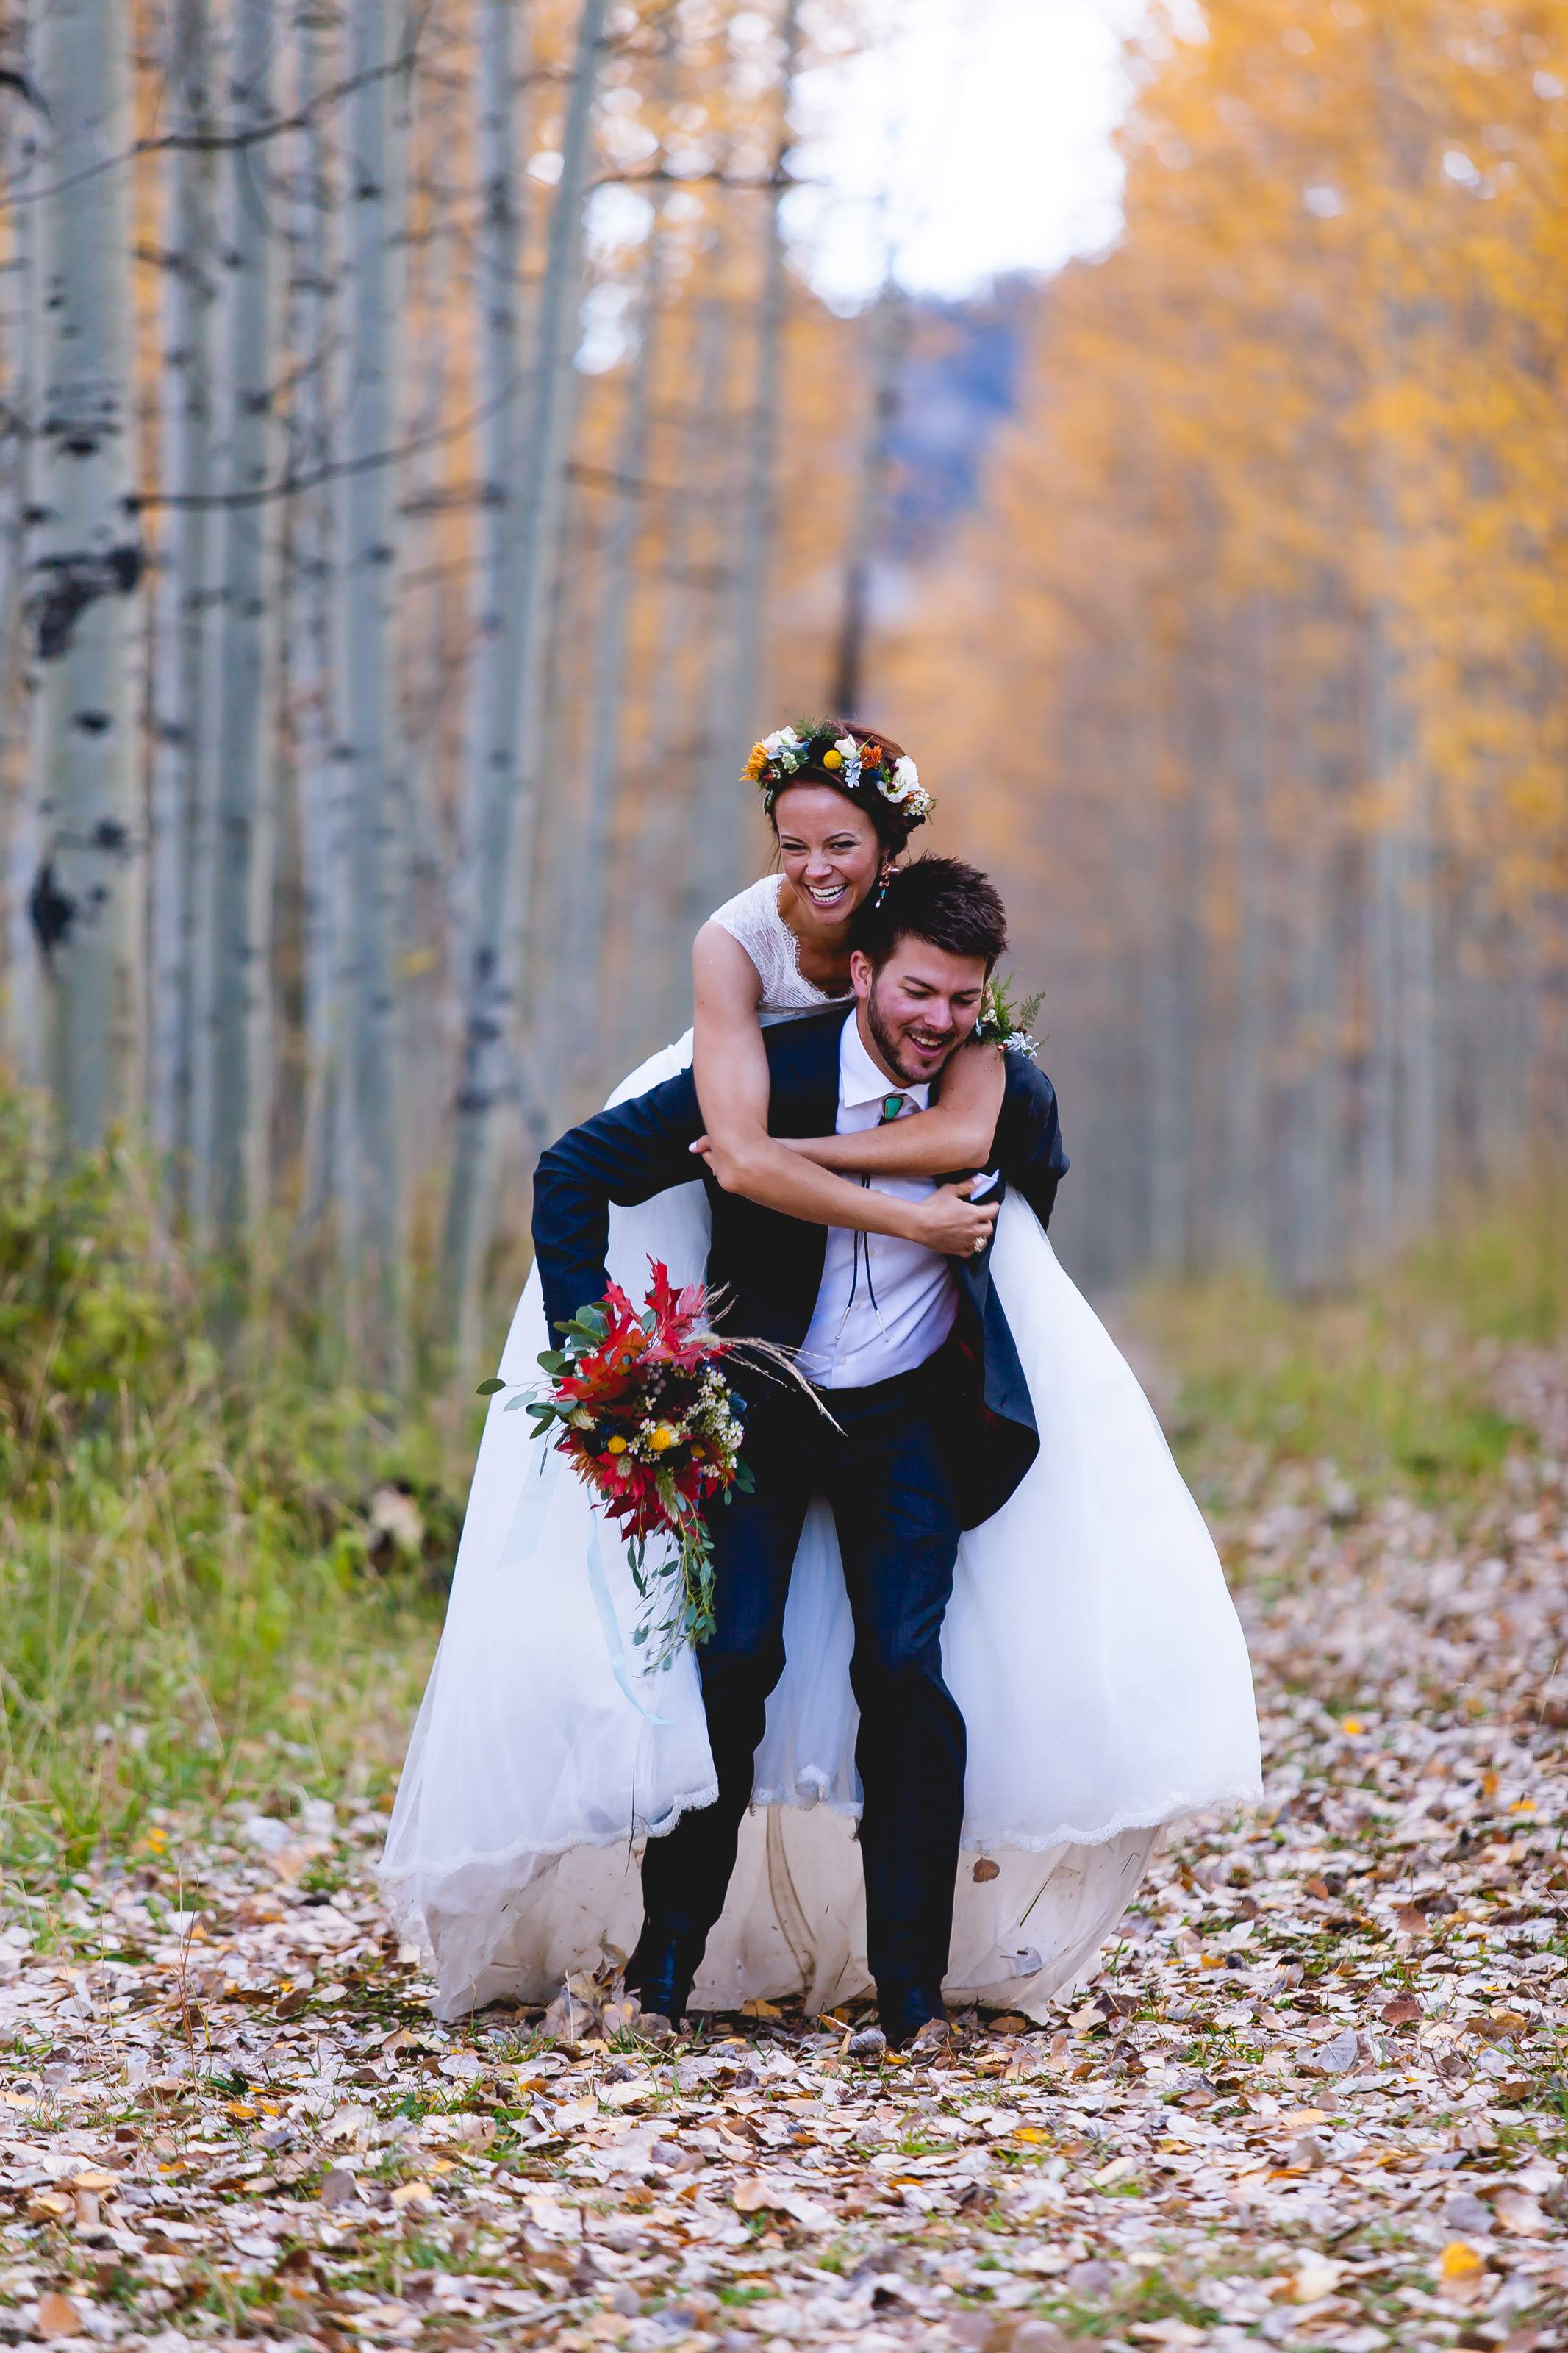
[(753, 917)]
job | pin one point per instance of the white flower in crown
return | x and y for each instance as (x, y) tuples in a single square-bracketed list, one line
[(906, 780), (848, 752)]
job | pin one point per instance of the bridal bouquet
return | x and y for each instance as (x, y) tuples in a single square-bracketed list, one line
[(648, 1421)]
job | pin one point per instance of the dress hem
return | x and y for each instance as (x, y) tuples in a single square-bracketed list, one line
[(971, 1843)]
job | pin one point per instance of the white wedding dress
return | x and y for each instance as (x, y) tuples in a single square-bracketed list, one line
[(1090, 1643)]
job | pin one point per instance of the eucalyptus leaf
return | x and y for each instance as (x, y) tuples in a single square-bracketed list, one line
[(489, 1388)]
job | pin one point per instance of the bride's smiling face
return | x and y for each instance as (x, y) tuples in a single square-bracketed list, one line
[(829, 849)]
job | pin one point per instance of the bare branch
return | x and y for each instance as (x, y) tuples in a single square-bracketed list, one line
[(226, 142)]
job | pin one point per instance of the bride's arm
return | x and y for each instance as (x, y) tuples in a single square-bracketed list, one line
[(730, 1070), (957, 1132)]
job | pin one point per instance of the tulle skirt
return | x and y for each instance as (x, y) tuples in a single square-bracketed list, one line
[(1090, 1643)]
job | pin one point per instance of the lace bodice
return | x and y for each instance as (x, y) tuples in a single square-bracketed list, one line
[(753, 917)]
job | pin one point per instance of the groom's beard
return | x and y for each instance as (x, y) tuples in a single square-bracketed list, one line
[(893, 1045)]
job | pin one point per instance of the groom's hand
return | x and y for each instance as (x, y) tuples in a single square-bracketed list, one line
[(951, 1222)]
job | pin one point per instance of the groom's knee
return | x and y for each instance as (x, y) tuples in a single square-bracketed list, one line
[(739, 1666)]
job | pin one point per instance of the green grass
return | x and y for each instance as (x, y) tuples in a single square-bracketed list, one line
[(185, 1549), (1386, 1386)]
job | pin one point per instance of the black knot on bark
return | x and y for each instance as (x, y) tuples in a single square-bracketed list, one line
[(70, 585), (52, 910)]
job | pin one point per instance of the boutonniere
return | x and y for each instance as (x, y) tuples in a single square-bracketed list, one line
[(1003, 1023)]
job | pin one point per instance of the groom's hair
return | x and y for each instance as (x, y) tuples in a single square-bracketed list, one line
[(941, 900)]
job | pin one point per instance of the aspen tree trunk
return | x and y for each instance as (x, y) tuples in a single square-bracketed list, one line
[(21, 123), (584, 1006), (886, 339), (497, 949), (1245, 1223), (370, 736), (1380, 900), (231, 1092), (84, 567), (1168, 1104), (1310, 1128), (180, 633), (323, 843), (490, 759), (720, 831), (1419, 1007), (655, 995)]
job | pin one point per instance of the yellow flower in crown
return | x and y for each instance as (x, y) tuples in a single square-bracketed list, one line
[(757, 763)]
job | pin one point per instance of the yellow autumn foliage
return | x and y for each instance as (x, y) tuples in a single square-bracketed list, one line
[(1249, 675)]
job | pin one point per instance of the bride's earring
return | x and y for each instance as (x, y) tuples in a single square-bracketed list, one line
[(883, 879)]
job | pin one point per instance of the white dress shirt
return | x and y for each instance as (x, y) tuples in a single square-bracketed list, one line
[(884, 1305)]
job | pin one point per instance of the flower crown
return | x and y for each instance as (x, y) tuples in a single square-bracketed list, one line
[(829, 751)]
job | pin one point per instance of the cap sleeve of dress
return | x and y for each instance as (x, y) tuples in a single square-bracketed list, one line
[(752, 918)]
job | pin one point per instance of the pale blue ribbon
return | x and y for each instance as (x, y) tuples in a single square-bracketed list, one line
[(599, 1586), (522, 1541)]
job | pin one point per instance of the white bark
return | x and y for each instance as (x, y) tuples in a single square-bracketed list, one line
[(180, 634), (369, 734), (720, 832), (583, 1005), (21, 124), (232, 889), (654, 985), (1243, 1235), (490, 760), (1380, 908), (1169, 1076), (1420, 1008), (491, 749), (885, 339), (497, 947), (84, 567), (323, 859)]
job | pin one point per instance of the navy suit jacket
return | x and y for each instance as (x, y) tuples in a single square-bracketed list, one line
[(771, 1264)]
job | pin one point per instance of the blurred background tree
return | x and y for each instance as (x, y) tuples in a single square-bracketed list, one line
[(1251, 659)]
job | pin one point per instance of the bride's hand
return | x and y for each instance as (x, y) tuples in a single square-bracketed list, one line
[(951, 1222)]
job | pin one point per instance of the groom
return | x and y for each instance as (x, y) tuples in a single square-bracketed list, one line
[(912, 1356)]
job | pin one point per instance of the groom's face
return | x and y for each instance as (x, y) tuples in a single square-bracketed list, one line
[(918, 1008)]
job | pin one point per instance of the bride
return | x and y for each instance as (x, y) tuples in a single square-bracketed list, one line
[(1090, 1642)]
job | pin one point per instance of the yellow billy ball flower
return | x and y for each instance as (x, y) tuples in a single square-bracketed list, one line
[(617, 1446), (662, 1437), (833, 759)]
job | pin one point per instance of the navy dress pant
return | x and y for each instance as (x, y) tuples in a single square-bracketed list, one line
[(885, 1473)]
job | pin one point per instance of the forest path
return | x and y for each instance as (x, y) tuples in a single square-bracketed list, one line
[(1314, 2097)]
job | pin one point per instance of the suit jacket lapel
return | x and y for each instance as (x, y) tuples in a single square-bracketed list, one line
[(773, 1264), (804, 1097), (807, 1103)]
